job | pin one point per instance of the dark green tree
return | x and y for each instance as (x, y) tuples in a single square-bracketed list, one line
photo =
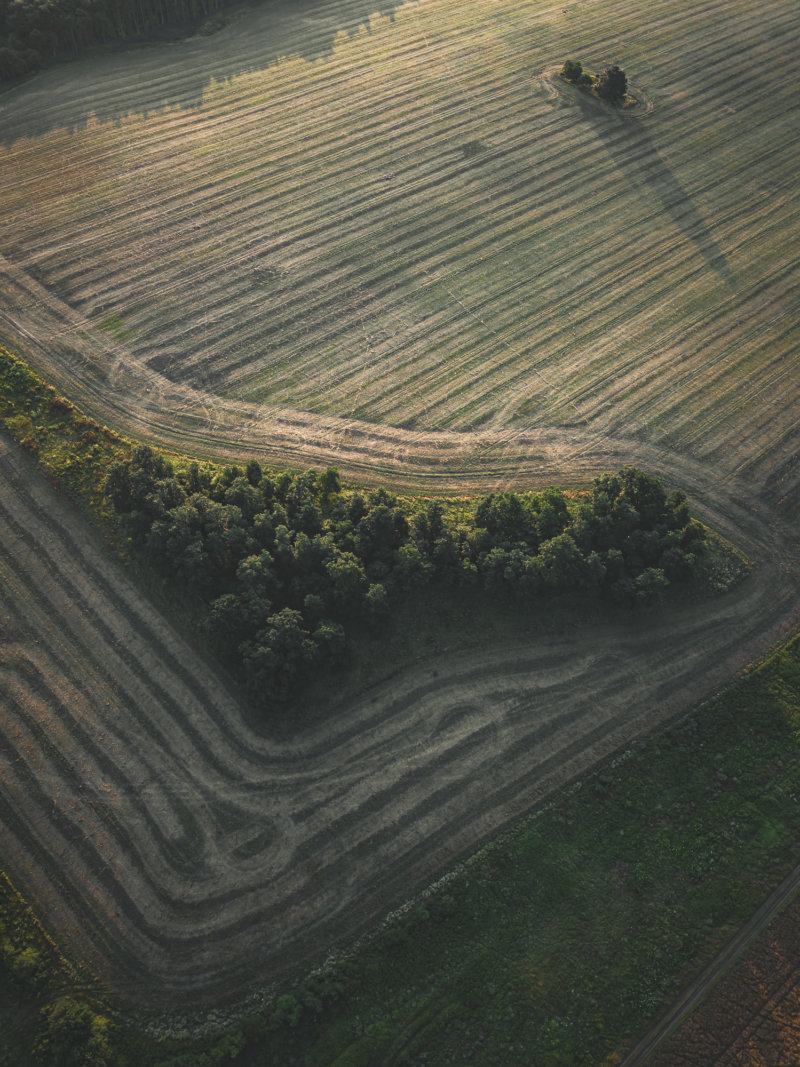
[(275, 660), (612, 84), (572, 70), (72, 1035)]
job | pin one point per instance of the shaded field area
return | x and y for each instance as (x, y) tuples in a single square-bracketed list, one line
[(554, 944), (391, 244), (159, 832)]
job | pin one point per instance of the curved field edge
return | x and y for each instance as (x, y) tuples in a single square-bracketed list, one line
[(164, 832)]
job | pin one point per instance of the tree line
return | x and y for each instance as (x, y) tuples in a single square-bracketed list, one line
[(285, 563), (34, 32)]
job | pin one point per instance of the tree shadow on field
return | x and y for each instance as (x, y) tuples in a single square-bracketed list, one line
[(149, 76), (628, 142)]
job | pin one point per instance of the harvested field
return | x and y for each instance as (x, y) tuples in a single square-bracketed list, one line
[(183, 854), (410, 252)]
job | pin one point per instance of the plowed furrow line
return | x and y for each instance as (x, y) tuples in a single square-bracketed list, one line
[(67, 810), (126, 675), (122, 634), (84, 766)]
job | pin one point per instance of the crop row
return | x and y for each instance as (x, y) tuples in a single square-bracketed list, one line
[(412, 231)]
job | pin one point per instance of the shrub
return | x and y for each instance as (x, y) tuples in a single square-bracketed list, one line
[(612, 84)]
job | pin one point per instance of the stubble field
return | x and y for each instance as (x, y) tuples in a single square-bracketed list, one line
[(407, 243), (415, 254), (185, 855)]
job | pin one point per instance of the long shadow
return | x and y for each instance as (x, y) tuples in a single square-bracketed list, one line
[(629, 143), (135, 78)]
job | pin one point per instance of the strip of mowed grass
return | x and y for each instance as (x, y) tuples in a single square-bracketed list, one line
[(412, 231)]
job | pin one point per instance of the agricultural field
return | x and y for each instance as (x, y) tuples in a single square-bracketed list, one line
[(387, 238), (754, 1014), (392, 240), (182, 852)]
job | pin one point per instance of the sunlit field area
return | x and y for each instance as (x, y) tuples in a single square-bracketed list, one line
[(405, 220)]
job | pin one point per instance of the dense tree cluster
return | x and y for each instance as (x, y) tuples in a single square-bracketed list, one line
[(610, 84), (573, 71), (32, 32), (285, 562)]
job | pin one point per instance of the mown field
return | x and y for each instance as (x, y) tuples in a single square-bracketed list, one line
[(395, 243), (408, 232), (183, 852)]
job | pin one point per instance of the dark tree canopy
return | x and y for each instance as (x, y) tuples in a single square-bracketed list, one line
[(286, 563), (572, 70), (33, 32), (612, 84)]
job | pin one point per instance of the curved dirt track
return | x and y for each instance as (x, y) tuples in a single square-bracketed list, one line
[(185, 856)]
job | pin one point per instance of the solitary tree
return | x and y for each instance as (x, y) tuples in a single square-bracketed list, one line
[(572, 70), (612, 84)]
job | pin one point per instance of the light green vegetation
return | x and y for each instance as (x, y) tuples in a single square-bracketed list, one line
[(116, 328), (73, 449)]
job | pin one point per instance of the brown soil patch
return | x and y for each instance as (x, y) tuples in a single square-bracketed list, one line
[(752, 1018)]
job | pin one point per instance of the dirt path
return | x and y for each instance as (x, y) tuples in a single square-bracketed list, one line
[(106, 380), (185, 855), (699, 989), (753, 1015)]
